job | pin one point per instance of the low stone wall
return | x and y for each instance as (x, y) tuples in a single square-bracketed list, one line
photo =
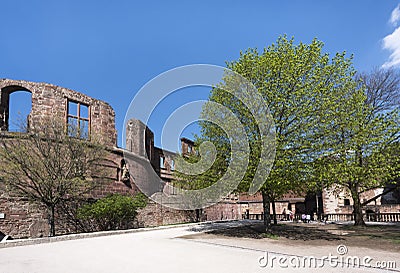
[(27, 220), (257, 207), (156, 215), (222, 211), (22, 219)]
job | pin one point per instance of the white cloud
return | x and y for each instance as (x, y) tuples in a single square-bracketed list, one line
[(392, 43), (395, 17)]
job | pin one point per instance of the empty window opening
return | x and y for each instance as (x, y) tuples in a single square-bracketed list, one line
[(162, 166), (20, 106), (78, 120)]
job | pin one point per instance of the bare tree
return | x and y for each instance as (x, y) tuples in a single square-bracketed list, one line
[(383, 95), (49, 166), (382, 89)]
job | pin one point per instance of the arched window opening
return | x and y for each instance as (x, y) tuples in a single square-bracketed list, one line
[(15, 108), (19, 110)]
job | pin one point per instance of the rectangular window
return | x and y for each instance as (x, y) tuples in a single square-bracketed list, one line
[(78, 119)]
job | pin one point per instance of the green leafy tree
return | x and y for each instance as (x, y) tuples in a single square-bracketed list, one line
[(113, 212), (301, 86)]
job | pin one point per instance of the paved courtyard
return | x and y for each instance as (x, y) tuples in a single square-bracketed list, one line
[(164, 251)]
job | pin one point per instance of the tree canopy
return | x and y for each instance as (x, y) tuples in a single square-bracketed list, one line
[(319, 107)]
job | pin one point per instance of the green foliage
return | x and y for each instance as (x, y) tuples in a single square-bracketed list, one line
[(331, 127), (301, 85), (114, 211), (270, 236), (205, 179)]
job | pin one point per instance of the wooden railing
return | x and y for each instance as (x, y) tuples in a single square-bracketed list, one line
[(335, 217)]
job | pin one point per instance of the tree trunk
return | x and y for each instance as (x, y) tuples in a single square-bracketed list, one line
[(51, 210), (267, 217), (274, 211), (357, 208), (354, 189)]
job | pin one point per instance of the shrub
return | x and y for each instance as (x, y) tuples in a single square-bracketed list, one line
[(115, 211)]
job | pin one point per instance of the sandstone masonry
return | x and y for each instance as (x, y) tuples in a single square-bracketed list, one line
[(23, 219)]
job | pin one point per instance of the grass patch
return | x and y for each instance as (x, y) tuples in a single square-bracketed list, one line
[(270, 236), (396, 241)]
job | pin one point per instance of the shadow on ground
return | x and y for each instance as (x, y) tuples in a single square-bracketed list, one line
[(292, 232), (377, 236), (377, 232)]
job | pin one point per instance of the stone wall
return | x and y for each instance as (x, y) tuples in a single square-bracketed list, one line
[(389, 208), (22, 219), (155, 215), (222, 211), (339, 200), (187, 147), (51, 101)]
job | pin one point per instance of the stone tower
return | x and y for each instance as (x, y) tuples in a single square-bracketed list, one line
[(139, 139)]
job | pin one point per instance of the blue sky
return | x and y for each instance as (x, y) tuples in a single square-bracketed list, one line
[(110, 49)]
